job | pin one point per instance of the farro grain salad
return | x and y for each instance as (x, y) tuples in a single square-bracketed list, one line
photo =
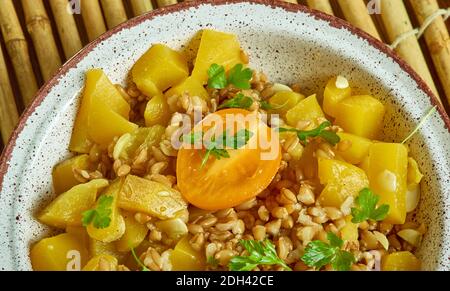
[(217, 168)]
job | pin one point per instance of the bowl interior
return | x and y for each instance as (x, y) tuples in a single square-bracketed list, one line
[(288, 45)]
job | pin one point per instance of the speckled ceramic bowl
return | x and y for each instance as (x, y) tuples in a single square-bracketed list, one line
[(288, 42)]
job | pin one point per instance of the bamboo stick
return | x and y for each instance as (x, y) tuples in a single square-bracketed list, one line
[(322, 5), (92, 18), (162, 3), (355, 11), (141, 6), (114, 12), (8, 110), (17, 48), (437, 39), (67, 28), (396, 21), (40, 29)]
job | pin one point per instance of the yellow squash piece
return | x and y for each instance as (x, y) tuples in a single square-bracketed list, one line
[(283, 101), (414, 174), (98, 91), (306, 110), (67, 208), (216, 48), (81, 234), (159, 69), (349, 231), (361, 115), (341, 179), (102, 263), (387, 171), (59, 253), (333, 95), (116, 228), (185, 258), (135, 233), (63, 174), (190, 86), (400, 261), (157, 111), (97, 248), (153, 198), (130, 145), (357, 151)]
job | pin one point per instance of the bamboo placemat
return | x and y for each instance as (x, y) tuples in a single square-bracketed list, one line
[(37, 36)]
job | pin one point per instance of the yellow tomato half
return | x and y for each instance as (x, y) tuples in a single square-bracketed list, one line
[(227, 182)]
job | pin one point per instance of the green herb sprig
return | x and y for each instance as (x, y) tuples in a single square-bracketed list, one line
[(237, 76), (367, 207), (138, 261), (260, 253), (101, 215), (318, 254), (330, 136)]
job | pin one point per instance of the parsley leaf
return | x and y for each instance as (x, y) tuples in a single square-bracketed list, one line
[(138, 261), (217, 78), (237, 76), (367, 202), (260, 253), (330, 136), (101, 215), (318, 254), (213, 262), (265, 105), (240, 77), (239, 101)]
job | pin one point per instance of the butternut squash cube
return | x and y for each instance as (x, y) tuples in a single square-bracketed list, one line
[(116, 227), (387, 171), (358, 150), (152, 198), (134, 234), (306, 110), (361, 115), (349, 231), (185, 258), (333, 95), (67, 208), (63, 174), (283, 101), (341, 179), (98, 87), (102, 262), (159, 69), (157, 111), (191, 86), (216, 48), (98, 248), (414, 174), (400, 261), (59, 253)]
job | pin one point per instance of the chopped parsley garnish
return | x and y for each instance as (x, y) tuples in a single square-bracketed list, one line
[(318, 254), (330, 136), (260, 253), (101, 215), (367, 202), (239, 101), (237, 76)]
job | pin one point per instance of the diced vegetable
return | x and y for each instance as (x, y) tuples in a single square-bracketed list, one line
[(412, 236), (333, 95), (307, 109), (359, 147), (129, 145), (157, 111), (412, 197), (63, 174), (173, 228), (349, 231), (341, 179), (283, 101), (153, 198), (159, 69), (97, 248), (98, 91), (81, 234), (414, 175), (102, 263), (59, 253), (216, 48), (116, 226), (67, 208), (387, 171), (185, 258), (400, 261), (361, 115), (191, 86), (135, 233)]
